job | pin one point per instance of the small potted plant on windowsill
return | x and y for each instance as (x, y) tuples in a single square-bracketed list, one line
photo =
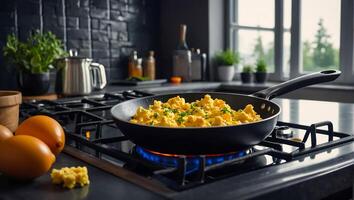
[(261, 74), (226, 61), (246, 74), (33, 60)]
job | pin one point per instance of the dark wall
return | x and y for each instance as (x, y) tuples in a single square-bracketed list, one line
[(193, 13), (205, 29), (106, 30)]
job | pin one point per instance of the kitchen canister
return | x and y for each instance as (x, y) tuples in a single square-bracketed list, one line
[(9, 108)]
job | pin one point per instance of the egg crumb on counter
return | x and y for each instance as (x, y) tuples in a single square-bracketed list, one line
[(70, 176)]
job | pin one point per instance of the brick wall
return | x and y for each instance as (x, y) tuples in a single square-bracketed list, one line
[(106, 30)]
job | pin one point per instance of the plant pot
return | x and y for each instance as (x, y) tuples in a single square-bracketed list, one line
[(33, 84), (260, 77), (246, 77), (226, 73), (9, 109)]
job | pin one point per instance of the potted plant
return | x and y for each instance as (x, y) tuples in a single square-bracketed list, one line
[(261, 71), (246, 74), (33, 59), (226, 61)]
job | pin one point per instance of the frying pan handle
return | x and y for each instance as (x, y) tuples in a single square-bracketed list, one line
[(299, 82)]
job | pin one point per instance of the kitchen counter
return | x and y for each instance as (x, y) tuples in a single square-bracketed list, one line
[(167, 87), (107, 186), (102, 186), (325, 92)]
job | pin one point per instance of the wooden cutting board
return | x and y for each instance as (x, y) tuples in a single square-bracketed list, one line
[(40, 97)]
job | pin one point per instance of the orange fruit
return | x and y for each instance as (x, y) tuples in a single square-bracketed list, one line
[(25, 157), (5, 133), (46, 129), (176, 79)]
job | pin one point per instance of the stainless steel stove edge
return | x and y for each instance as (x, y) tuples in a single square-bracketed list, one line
[(310, 177)]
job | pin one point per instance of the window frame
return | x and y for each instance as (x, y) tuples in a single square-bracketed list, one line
[(346, 47)]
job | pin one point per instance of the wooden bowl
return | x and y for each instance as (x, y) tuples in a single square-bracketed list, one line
[(9, 108)]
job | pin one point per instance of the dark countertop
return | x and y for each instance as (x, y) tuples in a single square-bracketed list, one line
[(107, 186), (325, 92), (168, 87), (102, 186)]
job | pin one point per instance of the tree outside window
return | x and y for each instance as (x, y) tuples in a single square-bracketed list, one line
[(261, 53), (320, 53)]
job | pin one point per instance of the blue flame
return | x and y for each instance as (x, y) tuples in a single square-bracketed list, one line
[(193, 163)]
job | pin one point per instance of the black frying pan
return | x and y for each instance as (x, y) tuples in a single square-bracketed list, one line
[(212, 140)]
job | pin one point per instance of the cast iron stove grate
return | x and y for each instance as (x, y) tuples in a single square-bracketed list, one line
[(90, 128)]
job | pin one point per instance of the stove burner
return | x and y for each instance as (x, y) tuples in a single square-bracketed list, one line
[(284, 132), (193, 162)]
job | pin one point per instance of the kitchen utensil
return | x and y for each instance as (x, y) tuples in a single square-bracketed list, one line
[(79, 75), (134, 65), (9, 108), (149, 68), (182, 57), (182, 60), (198, 65), (212, 140)]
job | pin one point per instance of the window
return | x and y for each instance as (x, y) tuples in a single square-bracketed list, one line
[(254, 45), (294, 36), (254, 36), (320, 28), (286, 38)]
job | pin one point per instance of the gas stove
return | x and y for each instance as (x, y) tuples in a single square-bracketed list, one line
[(289, 154)]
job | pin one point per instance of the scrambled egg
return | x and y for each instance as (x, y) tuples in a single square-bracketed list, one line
[(70, 177), (205, 112)]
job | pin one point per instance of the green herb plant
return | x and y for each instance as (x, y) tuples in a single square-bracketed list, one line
[(36, 55), (227, 58), (247, 69), (261, 66)]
